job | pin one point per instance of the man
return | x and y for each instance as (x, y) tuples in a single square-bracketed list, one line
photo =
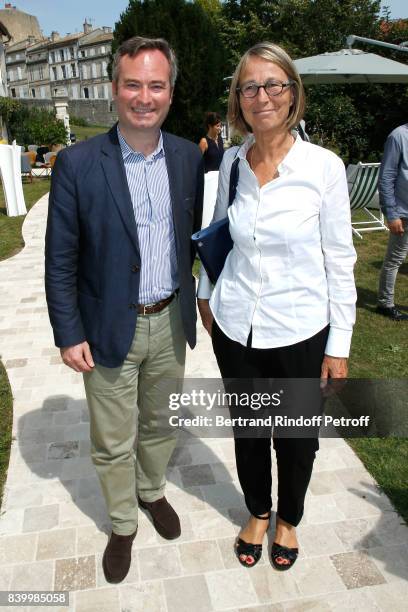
[(393, 190), (120, 292)]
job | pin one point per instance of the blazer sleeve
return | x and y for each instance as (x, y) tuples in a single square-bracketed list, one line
[(61, 255)]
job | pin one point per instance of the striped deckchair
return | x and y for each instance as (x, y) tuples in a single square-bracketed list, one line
[(362, 192)]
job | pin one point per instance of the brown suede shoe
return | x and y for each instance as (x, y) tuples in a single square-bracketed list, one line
[(165, 518), (117, 557)]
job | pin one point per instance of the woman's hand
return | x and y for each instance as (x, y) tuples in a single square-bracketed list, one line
[(205, 313), (333, 367)]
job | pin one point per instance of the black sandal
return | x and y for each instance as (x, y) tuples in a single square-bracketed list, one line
[(248, 549), (290, 554)]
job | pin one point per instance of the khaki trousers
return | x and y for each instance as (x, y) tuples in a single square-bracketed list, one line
[(128, 405)]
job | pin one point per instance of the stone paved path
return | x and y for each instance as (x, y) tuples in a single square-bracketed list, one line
[(53, 525)]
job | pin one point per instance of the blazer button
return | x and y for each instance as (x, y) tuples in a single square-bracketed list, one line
[(135, 268)]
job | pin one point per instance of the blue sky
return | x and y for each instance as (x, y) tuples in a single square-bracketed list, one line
[(68, 15)]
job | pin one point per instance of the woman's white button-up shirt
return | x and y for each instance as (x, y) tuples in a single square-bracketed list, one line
[(290, 271)]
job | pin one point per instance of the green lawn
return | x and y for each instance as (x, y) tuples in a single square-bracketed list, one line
[(11, 240), (83, 133), (379, 350), (6, 415)]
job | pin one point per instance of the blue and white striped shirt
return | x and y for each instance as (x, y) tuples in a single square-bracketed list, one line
[(149, 189)]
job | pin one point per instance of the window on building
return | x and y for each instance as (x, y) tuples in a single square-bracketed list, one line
[(106, 92), (92, 51), (103, 50), (19, 74), (21, 92), (13, 92), (94, 71), (42, 90), (54, 73), (73, 70), (86, 92), (40, 72), (62, 55), (52, 57), (71, 52), (55, 92), (64, 72), (74, 92), (104, 69), (84, 72), (95, 92), (33, 93), (10, 75)]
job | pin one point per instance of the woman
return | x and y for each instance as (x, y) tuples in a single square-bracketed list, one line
[(212, 146), (284, 304)]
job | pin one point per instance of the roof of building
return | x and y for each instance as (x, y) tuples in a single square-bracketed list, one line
[(18, 46), (99, 37), (64, 40)]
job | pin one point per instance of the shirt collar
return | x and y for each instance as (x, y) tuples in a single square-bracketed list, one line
[(127, 150), (290, 161)]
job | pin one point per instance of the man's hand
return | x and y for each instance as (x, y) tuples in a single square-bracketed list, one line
[(78, 357), (396, 227), (332, 368), (205, 313)]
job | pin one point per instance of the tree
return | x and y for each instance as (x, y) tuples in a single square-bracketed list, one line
[(353, 120), (192, 32), (29, 125)]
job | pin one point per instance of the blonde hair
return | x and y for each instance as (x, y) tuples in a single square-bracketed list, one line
[(275, 54)]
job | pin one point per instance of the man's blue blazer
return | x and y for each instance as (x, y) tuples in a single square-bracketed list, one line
[(92, 257)]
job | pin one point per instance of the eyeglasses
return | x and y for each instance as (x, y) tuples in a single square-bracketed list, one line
[(272, 88)]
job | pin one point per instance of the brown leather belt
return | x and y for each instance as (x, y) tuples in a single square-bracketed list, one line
[(146, 309)]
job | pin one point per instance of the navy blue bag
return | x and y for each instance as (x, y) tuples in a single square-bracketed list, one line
[(214, 242)]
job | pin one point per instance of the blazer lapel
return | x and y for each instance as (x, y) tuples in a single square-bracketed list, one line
[(174, 163), (114, 169)]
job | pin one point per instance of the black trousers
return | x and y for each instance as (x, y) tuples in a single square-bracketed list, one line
[(294, 456)]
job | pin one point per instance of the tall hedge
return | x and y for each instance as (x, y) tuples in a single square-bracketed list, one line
[(192, 33), (29, 125)]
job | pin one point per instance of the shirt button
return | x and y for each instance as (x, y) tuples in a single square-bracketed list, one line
[(135, 268)]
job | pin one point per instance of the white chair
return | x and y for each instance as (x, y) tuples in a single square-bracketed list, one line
[(363, 183), (47, 156), (26, 167)]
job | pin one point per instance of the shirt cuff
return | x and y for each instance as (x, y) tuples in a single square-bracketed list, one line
[(338, 342), (204, 287)]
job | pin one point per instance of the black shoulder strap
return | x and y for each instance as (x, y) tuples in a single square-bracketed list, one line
[(234, 175)]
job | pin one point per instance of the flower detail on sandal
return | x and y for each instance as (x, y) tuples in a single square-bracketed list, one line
[(248, 549), (279, 551)]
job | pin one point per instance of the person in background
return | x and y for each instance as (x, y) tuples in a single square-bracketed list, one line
[(212, 146), (284, 304), (393, 190), (41, 151)]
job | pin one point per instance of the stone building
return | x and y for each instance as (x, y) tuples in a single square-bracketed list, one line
[(38, 70), (16, 66), (20, 25), (73, 67), (63, 65), (94, 54)]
